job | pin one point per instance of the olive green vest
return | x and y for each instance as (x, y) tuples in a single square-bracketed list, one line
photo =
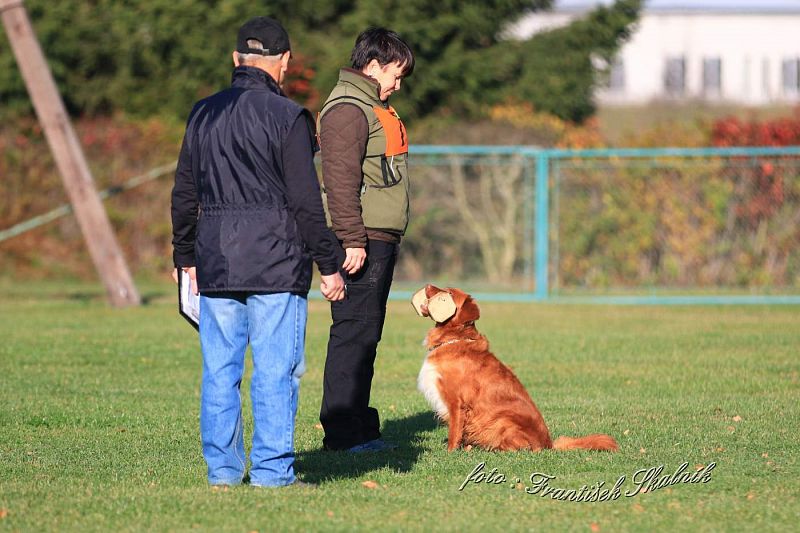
[(385, 185)]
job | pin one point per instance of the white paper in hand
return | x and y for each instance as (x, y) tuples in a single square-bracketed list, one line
[(188, 301)]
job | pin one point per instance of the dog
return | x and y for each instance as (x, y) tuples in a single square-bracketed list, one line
[(480, 398)]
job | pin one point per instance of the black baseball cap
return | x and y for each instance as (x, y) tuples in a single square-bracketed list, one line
[(266, 30)]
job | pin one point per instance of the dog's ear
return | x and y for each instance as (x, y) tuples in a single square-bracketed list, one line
[(442, 307), (468, 312), (418, 300)]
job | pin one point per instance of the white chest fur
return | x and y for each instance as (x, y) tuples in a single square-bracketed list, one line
[(427, 383)]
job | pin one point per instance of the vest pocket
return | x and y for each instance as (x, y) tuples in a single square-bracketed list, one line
[(385, 208)]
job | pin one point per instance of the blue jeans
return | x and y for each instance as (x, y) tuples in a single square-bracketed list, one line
[(275, 326)]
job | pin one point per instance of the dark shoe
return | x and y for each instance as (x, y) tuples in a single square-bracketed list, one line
[(376, 445), (380, 445), (360, 448)]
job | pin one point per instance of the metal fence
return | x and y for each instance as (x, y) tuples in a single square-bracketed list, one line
[(711, 225)]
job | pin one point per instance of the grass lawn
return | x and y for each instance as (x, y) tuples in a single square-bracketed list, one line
[(99, 423)]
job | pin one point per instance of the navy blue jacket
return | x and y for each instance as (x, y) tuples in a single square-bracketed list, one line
[(246, 207)]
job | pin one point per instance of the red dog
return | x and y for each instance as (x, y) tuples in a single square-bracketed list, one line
[(479, 397)]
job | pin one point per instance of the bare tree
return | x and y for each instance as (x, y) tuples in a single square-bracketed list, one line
[(489, 205)]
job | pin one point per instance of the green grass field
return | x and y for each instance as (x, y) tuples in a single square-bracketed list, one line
[(99, 423)]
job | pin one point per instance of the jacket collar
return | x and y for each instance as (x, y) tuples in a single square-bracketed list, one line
[(254, 78), (365, 84)]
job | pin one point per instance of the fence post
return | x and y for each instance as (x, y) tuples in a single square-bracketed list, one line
[(68, 155), (528, 222), (542, 224)]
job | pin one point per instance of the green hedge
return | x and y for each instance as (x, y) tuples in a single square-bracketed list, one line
[(147, 57)]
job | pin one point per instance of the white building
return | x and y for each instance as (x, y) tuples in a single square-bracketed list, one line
[(737, 51)]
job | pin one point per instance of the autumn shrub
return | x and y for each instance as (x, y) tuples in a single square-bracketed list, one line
[(629, 224), (117, 149), (694, 222), (734, 131), (682, 223), (765, 201), (559, 133), (669, 133)]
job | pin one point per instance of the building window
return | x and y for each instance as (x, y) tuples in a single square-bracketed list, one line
[(791, 75), (675, 76), (712, 77), (766, 86), (616, 78)]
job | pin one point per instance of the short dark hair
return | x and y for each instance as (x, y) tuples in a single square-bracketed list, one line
[(384, 45)]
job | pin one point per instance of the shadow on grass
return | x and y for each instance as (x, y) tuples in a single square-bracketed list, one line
[(79, 296), (318, 465), (90, 296)]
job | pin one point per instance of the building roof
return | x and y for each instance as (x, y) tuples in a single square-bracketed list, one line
[(706, 6)]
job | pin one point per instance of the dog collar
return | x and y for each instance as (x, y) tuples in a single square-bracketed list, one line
[(450, 342)]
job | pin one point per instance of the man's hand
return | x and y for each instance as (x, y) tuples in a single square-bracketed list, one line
[(332, 287), (192, 276), (354, 260)]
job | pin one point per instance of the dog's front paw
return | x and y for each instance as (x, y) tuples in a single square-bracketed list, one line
[(452, 446)]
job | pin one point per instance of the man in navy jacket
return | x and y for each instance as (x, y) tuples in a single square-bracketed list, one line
[(247, 221)]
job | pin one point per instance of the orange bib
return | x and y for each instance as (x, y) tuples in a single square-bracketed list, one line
[(395, 131)]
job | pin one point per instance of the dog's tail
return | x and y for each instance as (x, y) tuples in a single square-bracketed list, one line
[(598, 441)]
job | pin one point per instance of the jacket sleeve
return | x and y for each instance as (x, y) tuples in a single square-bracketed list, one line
[(184, 209), (344, 132), (303, 195)]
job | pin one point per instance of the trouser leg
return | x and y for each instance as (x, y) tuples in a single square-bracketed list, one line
[(356, 330), (223, 340), (277, 338)]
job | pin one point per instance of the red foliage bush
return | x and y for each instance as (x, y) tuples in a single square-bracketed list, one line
[(299, 82), (766, 185), (731, 131)]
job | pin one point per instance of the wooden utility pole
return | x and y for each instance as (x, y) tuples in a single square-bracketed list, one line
[(92, 218)]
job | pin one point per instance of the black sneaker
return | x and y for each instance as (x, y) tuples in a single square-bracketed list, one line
[(376, 445)]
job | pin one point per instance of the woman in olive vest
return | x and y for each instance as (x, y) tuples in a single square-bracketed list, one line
[(365, 175)]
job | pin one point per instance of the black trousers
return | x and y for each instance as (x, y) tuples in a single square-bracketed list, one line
[(345, 415)]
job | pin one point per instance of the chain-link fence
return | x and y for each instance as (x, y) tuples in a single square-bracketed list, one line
[(470, 221), (646, 225), (701, 224)]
